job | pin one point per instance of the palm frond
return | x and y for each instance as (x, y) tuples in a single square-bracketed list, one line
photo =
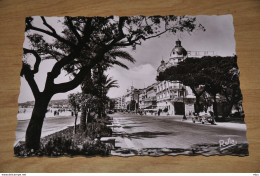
[(122, 55), (120, 64), (110, 83)]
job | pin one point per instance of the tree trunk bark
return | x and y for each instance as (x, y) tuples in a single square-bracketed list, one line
[(197, 104), (83, 118), (34, 129), (100, 111), (215, 106), (75, 123), (228, 109)]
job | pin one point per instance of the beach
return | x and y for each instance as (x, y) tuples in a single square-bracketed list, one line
[(50, 126)]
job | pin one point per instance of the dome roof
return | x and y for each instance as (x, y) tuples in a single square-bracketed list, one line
[(178, 49), (162, 66)]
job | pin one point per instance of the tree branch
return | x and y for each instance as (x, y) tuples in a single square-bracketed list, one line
[(47, 25), (29, 26), (35, 90), (37, 57), (67, 86), (55, 72), (197, 93), (67, 59), (121, 34), (29, 74), (131, 42), (87, 30), (64, 87), (73, 29)]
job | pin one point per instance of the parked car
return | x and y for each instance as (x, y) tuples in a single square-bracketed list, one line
[(206, 118), (110, 112)]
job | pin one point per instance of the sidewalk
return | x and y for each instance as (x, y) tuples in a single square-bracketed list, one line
[(231, 125)]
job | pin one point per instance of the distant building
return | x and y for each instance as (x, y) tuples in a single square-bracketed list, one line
[(120, 103), (142, 96), (150, 97), (165, 96), (123, 102), (171, 94)]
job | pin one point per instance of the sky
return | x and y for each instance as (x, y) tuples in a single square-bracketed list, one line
[(218, 37)]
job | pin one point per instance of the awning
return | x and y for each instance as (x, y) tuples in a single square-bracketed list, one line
[(150, 107)]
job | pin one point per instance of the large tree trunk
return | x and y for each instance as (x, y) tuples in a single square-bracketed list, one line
[(99, 112), (83, 118), (215, 106), (197, 104), (228, 110), (75, 123), (34, 129)]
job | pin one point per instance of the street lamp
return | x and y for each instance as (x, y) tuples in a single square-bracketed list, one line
[(183, 91), (206, 105)]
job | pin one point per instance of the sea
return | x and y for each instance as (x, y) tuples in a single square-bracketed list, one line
[(25, 113)]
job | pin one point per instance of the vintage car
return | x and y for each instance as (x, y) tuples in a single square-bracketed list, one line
[(205, 118), (110, 112)]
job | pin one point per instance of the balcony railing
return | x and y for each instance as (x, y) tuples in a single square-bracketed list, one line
[(200, 53)]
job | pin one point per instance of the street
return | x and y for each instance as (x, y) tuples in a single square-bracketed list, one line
[(140, 133), (156, 135)]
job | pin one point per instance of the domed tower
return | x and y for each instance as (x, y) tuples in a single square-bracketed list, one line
[(178, 54), (178, 50), (162, 67)]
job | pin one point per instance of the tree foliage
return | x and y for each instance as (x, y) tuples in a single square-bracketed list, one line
[(215, 75), (82, 44), (87, 41)]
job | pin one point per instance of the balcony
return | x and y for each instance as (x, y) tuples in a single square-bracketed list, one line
[(150, 99)]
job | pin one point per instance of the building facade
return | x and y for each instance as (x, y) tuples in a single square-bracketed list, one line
[(120, 103), (168, 97), (150, 101), (171, 95)]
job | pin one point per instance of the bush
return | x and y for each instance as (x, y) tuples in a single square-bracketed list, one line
[(95, 130), (68, 144), (95, 148), (60, 145)]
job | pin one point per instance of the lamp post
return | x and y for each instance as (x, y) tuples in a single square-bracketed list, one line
[(206, 105), (183, 91)]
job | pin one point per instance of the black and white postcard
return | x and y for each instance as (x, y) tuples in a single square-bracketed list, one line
[(130, 86)]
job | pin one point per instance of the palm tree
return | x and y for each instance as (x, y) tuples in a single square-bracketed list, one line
[(109, 61), (107, 84), (96, 80), (74, 101)]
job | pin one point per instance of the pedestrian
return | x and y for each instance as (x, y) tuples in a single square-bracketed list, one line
[(189, 114)]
